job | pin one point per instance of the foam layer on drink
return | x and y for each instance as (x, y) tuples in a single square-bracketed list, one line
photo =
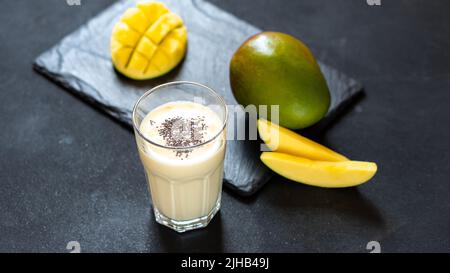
[(181, 124)]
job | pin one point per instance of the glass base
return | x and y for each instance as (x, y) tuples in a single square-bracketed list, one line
[(182, 226)]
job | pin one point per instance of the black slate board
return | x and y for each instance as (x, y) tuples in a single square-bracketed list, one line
[(81, 63)]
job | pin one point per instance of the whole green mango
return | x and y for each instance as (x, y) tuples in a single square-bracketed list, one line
[(273, 68)]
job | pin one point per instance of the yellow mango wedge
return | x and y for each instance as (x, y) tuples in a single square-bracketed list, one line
[(320, 173), (282, 140)]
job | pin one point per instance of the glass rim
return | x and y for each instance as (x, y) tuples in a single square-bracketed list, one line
[(149, 92)]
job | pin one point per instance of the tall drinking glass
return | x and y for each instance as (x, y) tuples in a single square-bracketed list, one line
[(180, 134)]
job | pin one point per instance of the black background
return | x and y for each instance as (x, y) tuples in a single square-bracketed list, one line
[(68, 172)]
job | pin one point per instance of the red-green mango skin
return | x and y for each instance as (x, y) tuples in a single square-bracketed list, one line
[(273, 68)]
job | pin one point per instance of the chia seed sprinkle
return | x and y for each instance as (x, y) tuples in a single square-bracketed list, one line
[(183, 132)]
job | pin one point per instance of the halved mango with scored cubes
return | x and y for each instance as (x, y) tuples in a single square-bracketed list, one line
[(303, 160), (148, 41)]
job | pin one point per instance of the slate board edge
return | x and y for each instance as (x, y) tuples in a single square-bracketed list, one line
[(110, 111)]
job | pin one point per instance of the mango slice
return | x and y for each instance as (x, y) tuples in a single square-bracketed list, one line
[(148, 41), (320, 173), (282, 140)]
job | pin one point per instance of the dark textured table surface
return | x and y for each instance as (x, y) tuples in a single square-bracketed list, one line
[(69, 173)]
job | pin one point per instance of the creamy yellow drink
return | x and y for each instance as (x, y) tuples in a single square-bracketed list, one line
[(183, 159)]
